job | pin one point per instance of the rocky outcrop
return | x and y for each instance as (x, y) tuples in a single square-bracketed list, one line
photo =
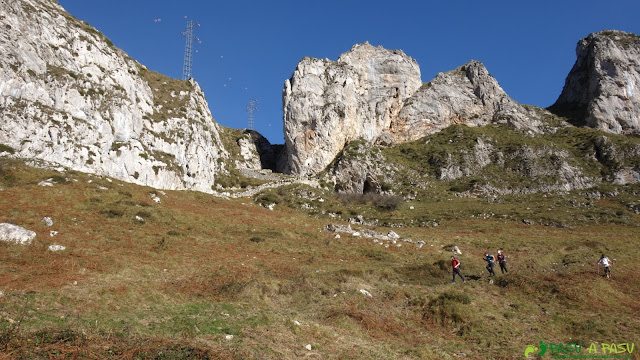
[(69, 97), (468, 95), (257, 152), (328, 104), (377, 95), (603, 88)]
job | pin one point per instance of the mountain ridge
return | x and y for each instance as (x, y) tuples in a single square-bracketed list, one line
[(70, 98)]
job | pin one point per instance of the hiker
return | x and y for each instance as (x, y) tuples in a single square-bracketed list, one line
[(606, 263), (502, 261), (490, 262), (455, 264)]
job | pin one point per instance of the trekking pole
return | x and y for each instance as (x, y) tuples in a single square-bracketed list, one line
[(613, 266)]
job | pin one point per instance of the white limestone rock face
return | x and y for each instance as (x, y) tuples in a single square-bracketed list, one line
[(377, 95), (468, 95), (69, 97), (255, 152), (327, 103), (604, 83)]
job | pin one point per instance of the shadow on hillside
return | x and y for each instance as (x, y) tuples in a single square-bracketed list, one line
[(575, 115)]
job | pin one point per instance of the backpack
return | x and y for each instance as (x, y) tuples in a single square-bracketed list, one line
[(490, 259)]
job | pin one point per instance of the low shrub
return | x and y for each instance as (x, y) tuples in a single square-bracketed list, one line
[(382, 202)]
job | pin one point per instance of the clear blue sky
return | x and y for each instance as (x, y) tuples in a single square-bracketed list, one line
[(249, 48)]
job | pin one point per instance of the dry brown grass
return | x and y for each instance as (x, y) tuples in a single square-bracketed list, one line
[(189, 274)]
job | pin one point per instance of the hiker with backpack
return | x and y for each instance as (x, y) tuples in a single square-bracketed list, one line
[(502, 261), (490, 262), (455, 264), (606, 263)]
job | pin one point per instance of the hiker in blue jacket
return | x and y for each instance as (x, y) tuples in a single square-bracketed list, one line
[(490, 262)]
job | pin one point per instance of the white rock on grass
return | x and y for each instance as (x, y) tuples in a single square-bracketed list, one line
[(16, 234), (308, 347), (45, 183), (56, 247), (365, 293), (47, 221), (53, 233), (392, 235)]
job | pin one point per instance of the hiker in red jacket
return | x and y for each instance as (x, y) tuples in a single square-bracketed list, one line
[(455, 264)]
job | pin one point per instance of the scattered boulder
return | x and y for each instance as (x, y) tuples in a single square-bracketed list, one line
[(56, 247), (45, 183), (47, 221), (16, 234)]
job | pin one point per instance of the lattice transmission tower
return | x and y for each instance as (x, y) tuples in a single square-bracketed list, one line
[(188, 48), (250, 109)]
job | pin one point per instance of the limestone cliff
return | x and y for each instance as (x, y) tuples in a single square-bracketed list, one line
[(69, 97), (328, 104), (377, 95), (603, 88)]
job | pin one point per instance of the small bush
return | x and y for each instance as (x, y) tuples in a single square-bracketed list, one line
[(388, 202), (268, 198), (58, 179), (257, 239), (448, 308), (143, 214), (382, 202), (112, 213), (7, 148)]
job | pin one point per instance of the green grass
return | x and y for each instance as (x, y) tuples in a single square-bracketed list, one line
[(200, 268), (7, 148)]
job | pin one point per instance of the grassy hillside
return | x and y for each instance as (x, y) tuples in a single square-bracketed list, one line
[(197, 269)]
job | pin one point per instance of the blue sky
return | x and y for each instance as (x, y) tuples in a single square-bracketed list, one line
[(249, 48)]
